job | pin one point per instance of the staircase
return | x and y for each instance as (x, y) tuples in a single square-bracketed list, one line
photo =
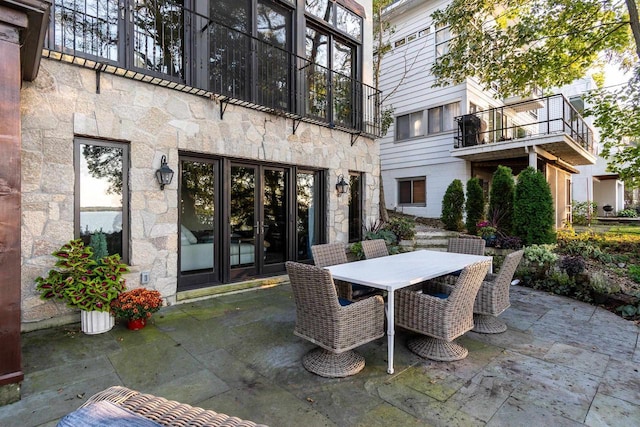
[(430, 238)]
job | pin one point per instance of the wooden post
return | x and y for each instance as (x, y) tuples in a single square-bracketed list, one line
[(12, 22)]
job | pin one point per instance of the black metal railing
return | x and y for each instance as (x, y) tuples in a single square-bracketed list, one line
[(173, 46), (531, 118)]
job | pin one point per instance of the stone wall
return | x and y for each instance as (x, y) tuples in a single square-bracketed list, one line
[(63, 102)]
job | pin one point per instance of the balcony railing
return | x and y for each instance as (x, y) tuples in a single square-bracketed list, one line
[(181, 49), (552, 115)]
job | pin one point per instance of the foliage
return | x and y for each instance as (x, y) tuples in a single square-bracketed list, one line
[(501, 199), (583, 212), (534, 217), (98, 244), (508, 242), (138, 303), (403, 228), (527, 44), (634, 273), (627, 213), (485, 229), (452, 204), (616, 113), (80, 281), (474, 206), (573, 265), (600, 283), (540, 255)]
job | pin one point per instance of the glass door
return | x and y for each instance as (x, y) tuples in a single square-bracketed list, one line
[(243, 224)]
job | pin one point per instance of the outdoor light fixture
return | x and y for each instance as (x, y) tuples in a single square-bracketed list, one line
[(341, 185), (164, 174)]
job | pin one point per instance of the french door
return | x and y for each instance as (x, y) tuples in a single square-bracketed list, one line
[(240, 220), (258, 225)]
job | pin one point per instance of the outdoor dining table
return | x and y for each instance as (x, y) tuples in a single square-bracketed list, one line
[(398, 271)]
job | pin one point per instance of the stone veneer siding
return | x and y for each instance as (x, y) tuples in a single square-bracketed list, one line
[(62, 103)]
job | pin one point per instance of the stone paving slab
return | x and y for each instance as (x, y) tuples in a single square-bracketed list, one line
[(560, 363)]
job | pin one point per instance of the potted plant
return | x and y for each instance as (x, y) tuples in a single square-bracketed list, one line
[(136, 306), (85, 283)]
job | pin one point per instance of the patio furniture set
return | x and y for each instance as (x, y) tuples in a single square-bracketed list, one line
[(438, 295)]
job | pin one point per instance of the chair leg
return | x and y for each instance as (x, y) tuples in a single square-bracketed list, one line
[(331, 365), (487, 324), (435, 349)]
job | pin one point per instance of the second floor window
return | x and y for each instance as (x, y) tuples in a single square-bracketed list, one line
[(443, 36), (409, 125), (442, 119)]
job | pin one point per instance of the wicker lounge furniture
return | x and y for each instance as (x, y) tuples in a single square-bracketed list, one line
[(333, 254), (157, 409), (442, 318), (374, 248), (493, 297), (337, 329), (470, 246)]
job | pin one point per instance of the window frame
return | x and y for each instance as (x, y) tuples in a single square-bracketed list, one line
[(441, 118), (126, 226), (442, 29), (412, 180), (422, 131), (356, 189)]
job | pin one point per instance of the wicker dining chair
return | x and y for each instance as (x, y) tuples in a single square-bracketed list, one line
[(328, 254), (493, 297), (441, 312), (337, 329), (157, 409), (469, 246), (374, 248)]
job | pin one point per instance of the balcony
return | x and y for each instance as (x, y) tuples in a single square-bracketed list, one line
[(550, 124), (178, 48)]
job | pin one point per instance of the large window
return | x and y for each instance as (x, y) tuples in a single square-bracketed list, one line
[(101, 203), (442, 119), (412, 191), (409, 125)]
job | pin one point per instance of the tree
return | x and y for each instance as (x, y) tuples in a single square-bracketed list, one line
[(452, 205), (521, 44), (501, 200), (533, 219), (617, 115), (545, 43), (474, 206)]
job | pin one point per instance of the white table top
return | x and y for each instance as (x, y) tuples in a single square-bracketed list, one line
[(405, 269)]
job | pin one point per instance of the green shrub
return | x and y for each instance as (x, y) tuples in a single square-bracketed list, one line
[(634, 273), (627, 213), (583, 212), (534, 217), (452, 205), (98, 244), (403, 228), (573, 265), (501, 200), (475, 205)]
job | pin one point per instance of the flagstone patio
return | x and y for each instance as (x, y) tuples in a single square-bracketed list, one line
[(561, 363)]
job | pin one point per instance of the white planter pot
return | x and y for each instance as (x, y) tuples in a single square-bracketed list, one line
[(96, 322)]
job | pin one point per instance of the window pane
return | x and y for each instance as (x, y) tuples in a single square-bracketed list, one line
[(342, 100), (450, 112), (102, 211), (349, 22), (404, 192), (355, 208), (89, 27), (416, 124), (306, 223), (435, 120), (157, 36), (419, 191), (197, 216), (316, 76), (320, 8), (402, 127)]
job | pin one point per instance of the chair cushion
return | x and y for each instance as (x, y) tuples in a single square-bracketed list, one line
[(344, 301), (105, 414)]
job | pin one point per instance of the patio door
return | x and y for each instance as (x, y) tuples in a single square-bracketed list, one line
[(258, 220)]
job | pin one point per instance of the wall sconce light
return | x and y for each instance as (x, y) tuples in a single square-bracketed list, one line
[(341, 185), (164, 174)]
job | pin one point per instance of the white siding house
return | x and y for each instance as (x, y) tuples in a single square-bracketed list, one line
[(457, 132)]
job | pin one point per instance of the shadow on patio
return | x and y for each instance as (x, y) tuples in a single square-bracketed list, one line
[(561, 362)]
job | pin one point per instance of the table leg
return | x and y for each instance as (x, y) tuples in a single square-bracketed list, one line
[(390, 330)]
